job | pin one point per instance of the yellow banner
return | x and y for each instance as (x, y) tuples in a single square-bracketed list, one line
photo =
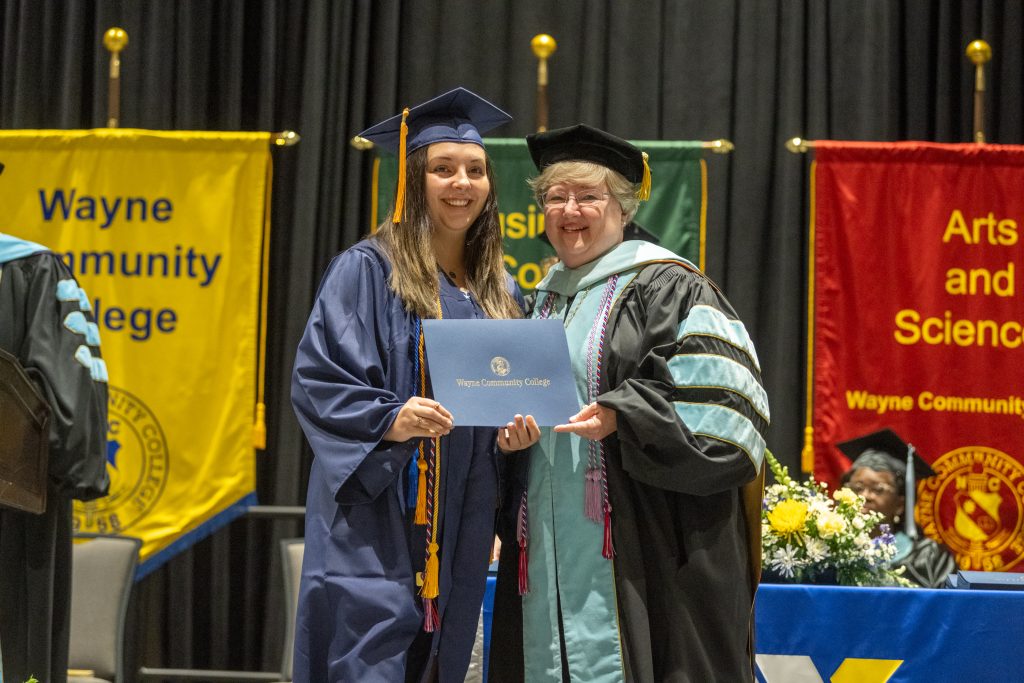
[(164, 231)]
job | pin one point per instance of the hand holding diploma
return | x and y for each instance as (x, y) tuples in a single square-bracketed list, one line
[(418, 418), (519, 434), (594, 422)]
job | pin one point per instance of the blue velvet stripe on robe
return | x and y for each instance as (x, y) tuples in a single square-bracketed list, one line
[(359, 611)]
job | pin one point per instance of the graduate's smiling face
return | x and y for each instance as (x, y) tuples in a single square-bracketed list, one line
[(582, 221), (457, 185)]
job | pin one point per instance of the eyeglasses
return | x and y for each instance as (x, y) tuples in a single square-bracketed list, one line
[(557, 199), (876, 489)]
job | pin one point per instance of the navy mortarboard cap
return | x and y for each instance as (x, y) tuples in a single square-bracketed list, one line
[(887, 442), (885, 450), (632, 231), (584, 143), (456, 116)]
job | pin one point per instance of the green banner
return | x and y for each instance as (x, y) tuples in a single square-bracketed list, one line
[(675, 213)]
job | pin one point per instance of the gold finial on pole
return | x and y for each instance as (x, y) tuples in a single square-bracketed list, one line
[(719, 146), (543, 46), (286, 138), (979, 52), (115, 40), (360, 143), (799, 145)]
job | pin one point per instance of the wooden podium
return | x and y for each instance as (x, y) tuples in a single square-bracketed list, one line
[(24, 439)]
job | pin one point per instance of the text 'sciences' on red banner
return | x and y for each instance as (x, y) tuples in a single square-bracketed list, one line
[(919, 326)]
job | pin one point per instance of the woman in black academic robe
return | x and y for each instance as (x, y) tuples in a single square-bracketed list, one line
[(649, 573)]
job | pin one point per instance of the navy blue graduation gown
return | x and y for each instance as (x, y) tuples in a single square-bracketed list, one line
[(359, 611)]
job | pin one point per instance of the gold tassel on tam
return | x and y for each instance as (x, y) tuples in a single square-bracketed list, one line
[(644, 193), (400, 194)]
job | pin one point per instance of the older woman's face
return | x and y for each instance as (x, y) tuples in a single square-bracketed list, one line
[(879, 491), (582, 222)]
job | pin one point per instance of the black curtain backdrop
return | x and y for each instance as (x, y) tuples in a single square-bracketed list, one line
[(754, 71)]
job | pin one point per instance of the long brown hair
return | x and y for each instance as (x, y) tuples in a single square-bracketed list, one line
[(409, 246)]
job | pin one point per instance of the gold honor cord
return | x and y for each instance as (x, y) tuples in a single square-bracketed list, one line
[(421, 462), (430, 589)]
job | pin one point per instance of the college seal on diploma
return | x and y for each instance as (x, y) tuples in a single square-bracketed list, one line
[(499, 366)]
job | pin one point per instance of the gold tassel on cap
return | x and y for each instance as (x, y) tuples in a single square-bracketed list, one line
[(644, 193), (400, 195)]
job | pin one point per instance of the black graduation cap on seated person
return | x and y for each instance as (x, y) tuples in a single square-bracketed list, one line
[(632, 231), (456, 116), (586, 143), (886, 449)]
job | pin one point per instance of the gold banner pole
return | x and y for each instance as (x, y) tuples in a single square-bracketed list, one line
[(115, 40), (979, 52), (543, 46)]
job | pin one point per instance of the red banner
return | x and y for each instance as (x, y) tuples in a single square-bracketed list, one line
[(919, 326)]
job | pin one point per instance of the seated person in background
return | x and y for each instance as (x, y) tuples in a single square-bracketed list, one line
[(880, 474)]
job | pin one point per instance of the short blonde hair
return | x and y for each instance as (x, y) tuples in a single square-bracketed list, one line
[(587, 173)]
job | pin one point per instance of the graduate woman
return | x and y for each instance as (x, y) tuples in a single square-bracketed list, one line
[(628, 555), (401, 500)]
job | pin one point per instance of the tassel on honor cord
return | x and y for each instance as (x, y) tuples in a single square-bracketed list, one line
[(429, 590), (523, 539), (421, 462)]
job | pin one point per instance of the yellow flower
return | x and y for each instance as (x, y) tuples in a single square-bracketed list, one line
[(831, 523), (788, 517), (847, 497)]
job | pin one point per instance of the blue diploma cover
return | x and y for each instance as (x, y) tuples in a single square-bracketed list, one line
[(487, 371)]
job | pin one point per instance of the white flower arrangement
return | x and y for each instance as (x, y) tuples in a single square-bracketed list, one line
[(808, 537)]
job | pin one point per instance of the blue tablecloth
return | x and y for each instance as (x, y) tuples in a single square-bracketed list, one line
[(811, 634), (899, 635)]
